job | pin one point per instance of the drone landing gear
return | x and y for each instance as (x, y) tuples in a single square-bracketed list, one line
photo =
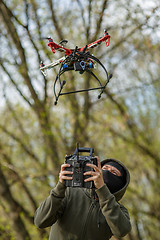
[(62, 83), (82, 62)]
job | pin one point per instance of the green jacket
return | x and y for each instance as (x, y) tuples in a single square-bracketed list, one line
[(74, 214)]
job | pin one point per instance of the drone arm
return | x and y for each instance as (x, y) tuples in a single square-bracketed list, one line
[(54, 46), (105, 39), (53, 64)]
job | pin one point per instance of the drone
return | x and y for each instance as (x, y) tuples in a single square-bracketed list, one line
[(78, 59)]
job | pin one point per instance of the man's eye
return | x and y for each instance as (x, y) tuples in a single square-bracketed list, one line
[(105, 168)]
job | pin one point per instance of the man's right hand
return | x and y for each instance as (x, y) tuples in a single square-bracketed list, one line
[(63, 173)]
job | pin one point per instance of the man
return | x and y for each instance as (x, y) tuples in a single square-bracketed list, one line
[(80, 213)]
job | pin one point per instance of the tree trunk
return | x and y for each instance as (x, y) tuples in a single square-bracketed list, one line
[(14, 209)]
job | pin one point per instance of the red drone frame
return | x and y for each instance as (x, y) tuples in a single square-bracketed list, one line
[(54, 46), (78, 59)]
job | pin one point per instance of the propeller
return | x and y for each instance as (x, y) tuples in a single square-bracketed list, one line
[(63, 42)]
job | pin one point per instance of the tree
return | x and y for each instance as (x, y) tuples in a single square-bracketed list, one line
[(36, 135)]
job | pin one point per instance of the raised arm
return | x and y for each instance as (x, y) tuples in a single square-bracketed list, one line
[(116, 215), (53, 207)]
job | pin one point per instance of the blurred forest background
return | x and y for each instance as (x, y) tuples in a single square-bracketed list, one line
[(35, 135)]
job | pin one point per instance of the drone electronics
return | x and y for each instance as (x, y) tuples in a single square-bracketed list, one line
[(78, 59)]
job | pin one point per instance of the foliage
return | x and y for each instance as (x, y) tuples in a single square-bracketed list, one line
[(35, 135)]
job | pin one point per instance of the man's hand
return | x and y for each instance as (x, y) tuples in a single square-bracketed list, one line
[(63, 173), (97, 175)]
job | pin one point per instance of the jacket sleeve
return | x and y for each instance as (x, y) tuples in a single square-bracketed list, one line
[(116, 214), (51, 208)]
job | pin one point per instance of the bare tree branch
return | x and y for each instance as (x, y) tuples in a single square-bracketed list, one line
[(134, 88), (55, 21), (99, 21), (18, 178), (18, 140), (16, 86), (39, 30), (125, 38), (27, 27), (15, 115), (140, 146), (82, 13), (15, 209), (89, 20), (7, 15)]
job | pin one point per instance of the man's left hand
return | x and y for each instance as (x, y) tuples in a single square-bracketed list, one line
[(96, 175)]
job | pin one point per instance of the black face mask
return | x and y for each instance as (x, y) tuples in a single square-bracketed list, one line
[(113, 182)]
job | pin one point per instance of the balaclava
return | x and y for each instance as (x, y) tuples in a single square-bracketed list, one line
[(113, 182)]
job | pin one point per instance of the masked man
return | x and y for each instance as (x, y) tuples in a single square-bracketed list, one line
[(87, 214)]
